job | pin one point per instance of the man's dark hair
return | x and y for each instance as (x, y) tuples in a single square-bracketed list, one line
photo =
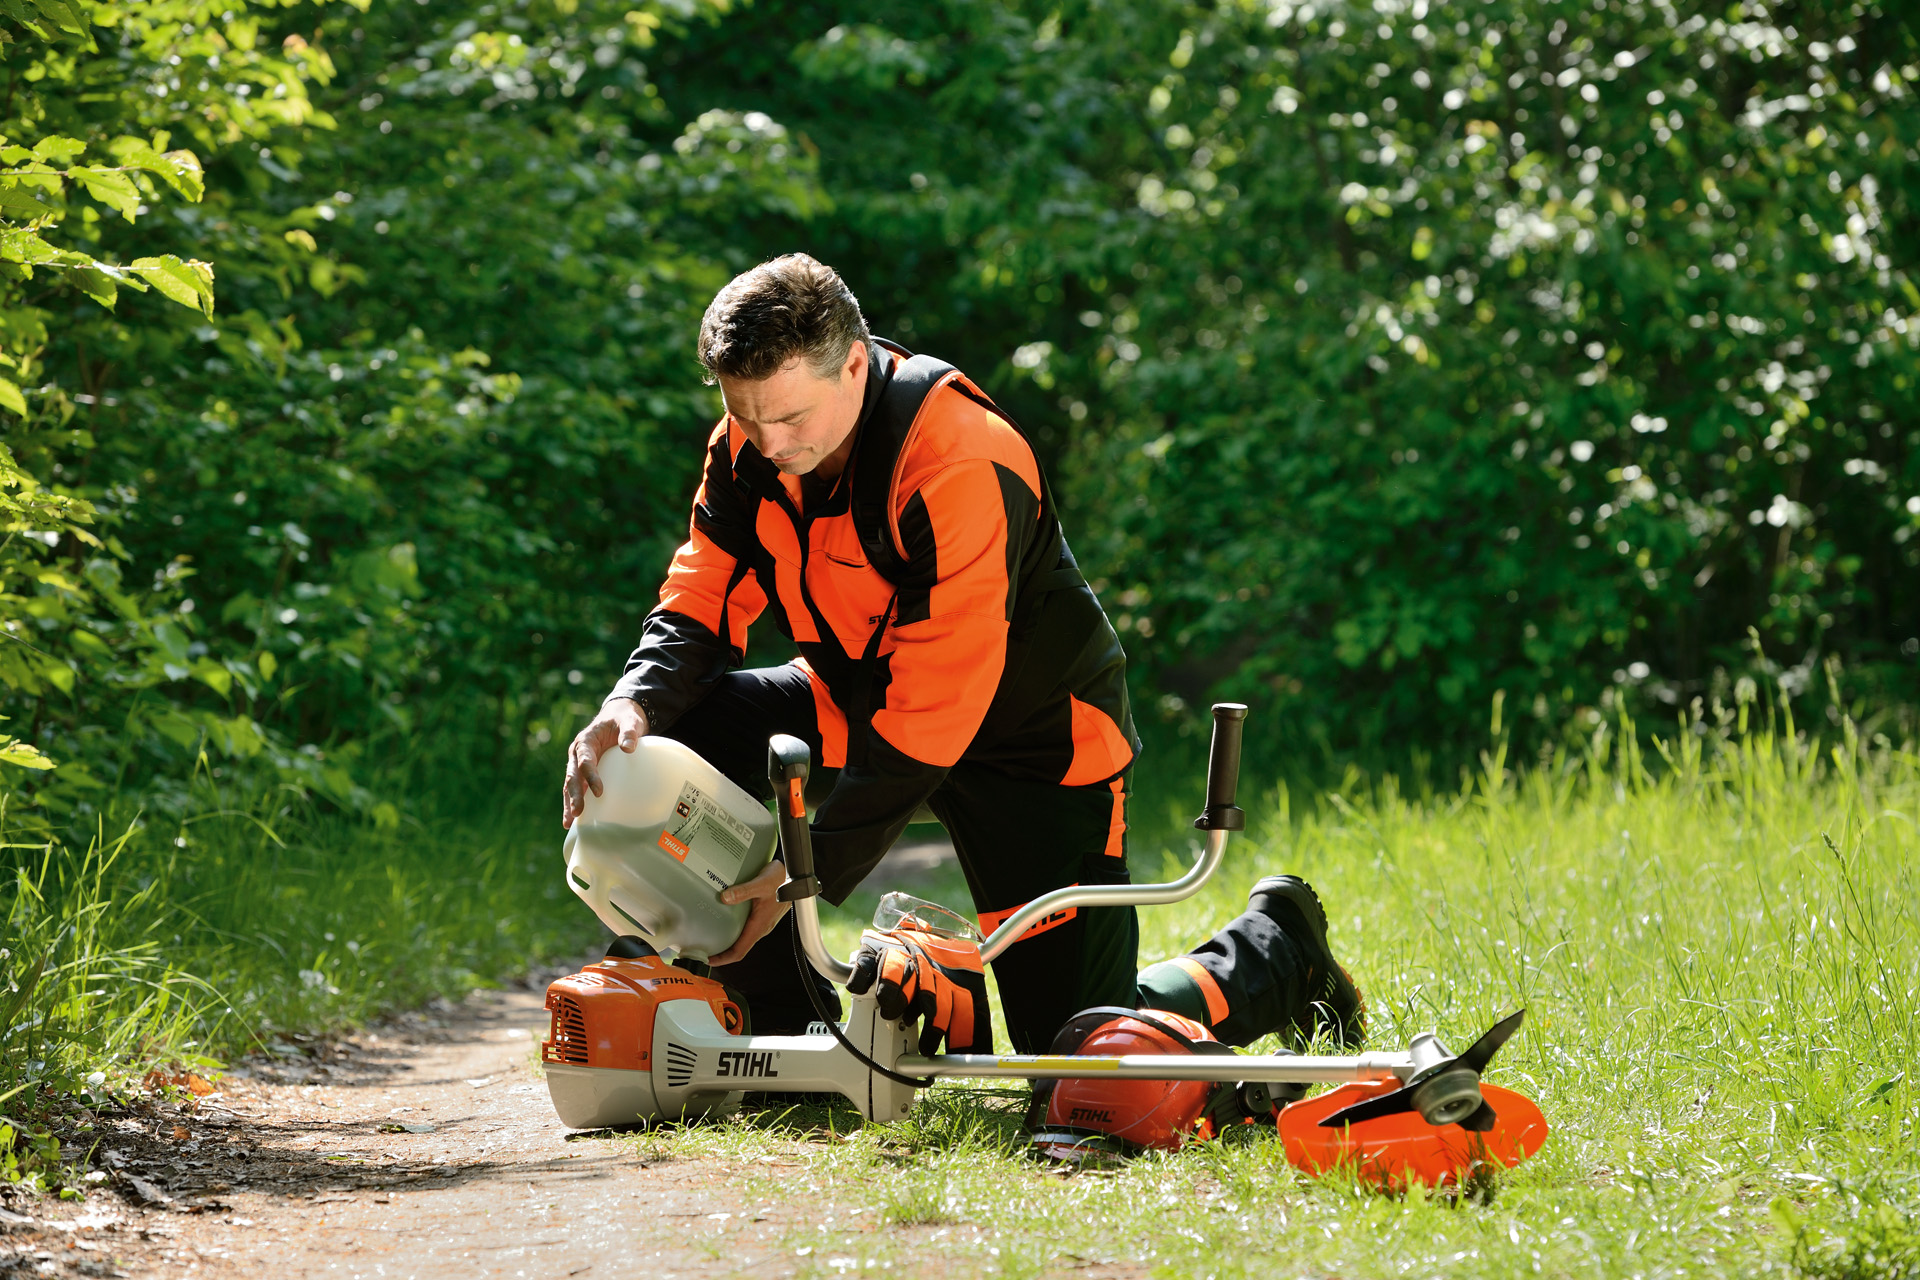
[(787, 307)]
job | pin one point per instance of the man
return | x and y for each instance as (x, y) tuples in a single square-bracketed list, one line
[(898, 525)]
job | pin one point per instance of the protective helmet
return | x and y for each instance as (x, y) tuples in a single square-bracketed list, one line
[(1093, 1117)]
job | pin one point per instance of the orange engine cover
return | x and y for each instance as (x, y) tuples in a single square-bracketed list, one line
[(603, 1015)]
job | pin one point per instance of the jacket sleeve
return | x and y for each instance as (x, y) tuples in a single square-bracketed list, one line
[(972, 520), (710, 597)]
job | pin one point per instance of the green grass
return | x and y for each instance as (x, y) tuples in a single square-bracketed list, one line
[(1717, 946), (1719, 953), (265, 915)]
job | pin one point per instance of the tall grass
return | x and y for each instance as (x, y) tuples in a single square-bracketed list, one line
[(262, 914), (1716, 940), (1714, 935)]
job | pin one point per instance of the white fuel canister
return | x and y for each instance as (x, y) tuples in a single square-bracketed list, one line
[(652, 853)]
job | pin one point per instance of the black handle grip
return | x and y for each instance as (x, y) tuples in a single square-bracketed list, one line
[(788, 763), (1223, 770)]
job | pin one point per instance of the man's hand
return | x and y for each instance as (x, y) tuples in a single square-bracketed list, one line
[(621, 721), (761, 916)]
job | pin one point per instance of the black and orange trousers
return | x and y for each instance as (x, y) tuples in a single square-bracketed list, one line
[(1016, 838)]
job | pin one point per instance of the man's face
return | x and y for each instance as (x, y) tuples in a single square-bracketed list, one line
[(798, 421)]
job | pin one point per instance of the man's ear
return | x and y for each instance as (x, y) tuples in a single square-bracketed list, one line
[(855, 369)]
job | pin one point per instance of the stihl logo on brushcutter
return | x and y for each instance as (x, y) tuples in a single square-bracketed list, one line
[(1090, 1114), (741, 1063)]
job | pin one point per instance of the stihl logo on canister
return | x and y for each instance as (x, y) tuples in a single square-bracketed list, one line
[(674, 845), (738, 1062)]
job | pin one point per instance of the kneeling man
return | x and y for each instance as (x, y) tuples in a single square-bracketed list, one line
[(899, 528)]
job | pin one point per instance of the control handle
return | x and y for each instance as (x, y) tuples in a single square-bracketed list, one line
[(788, 763), (1223, 771)]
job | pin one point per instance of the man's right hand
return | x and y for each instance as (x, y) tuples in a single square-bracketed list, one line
[(621, 721)]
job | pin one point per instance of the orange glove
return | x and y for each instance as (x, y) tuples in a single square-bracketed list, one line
[(918, 975)]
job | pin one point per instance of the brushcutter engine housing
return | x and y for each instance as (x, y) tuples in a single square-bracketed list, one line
[(638, 1040)]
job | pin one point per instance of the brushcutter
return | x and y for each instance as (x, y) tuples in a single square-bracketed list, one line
[(635, 1038)]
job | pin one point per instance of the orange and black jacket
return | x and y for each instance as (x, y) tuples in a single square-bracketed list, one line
[(938, 612)]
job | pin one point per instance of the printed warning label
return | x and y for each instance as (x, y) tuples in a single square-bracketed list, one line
[(707, 838)]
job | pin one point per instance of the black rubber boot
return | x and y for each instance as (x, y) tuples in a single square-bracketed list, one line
[(1332, 1003), (1268, 971)]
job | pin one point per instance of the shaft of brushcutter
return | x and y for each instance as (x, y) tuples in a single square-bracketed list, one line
[(1268, 1068), (788, 762), (1220, 817)]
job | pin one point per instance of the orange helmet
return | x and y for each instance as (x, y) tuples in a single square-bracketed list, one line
[(1091, 1117)]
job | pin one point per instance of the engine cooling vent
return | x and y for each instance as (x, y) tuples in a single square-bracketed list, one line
[(680, 1064), (568, 1041)]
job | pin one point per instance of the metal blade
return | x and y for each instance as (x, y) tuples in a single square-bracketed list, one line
[(1384, 1104), (1481, 1120), (1481, 1051)]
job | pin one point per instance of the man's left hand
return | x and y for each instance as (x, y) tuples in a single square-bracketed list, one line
[(761, 916)]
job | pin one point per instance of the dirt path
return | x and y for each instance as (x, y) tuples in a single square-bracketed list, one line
[(429, 1149)]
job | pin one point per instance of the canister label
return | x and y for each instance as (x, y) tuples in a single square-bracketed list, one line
[(708, 839)]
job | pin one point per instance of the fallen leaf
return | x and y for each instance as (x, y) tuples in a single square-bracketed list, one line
[(193, 1083)]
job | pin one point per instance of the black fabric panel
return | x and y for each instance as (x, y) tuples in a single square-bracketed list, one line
[(730, 727), (1263, 971), (1022, 506), (1017, 839), (726, 514), (676, 664), (916, 533), (870, 805)]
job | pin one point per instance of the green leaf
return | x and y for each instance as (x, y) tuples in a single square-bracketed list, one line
[(58, 150), (115, 190), (212, 674), (21, 14), (10, 398), (62, 15), (96, 284), (188, 283), (23, 244), (24, 754), (178, 169), (24, 986), (15, 203)]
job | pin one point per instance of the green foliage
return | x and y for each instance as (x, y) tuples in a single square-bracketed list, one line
[(1392, 357), (30, 1159), (1716, 956), (185, 940), (80, 636), (1385, 357)]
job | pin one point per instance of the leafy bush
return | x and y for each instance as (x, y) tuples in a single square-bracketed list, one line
[(1395, 355)]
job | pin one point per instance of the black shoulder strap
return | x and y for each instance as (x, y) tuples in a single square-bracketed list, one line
[(884, 434)]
